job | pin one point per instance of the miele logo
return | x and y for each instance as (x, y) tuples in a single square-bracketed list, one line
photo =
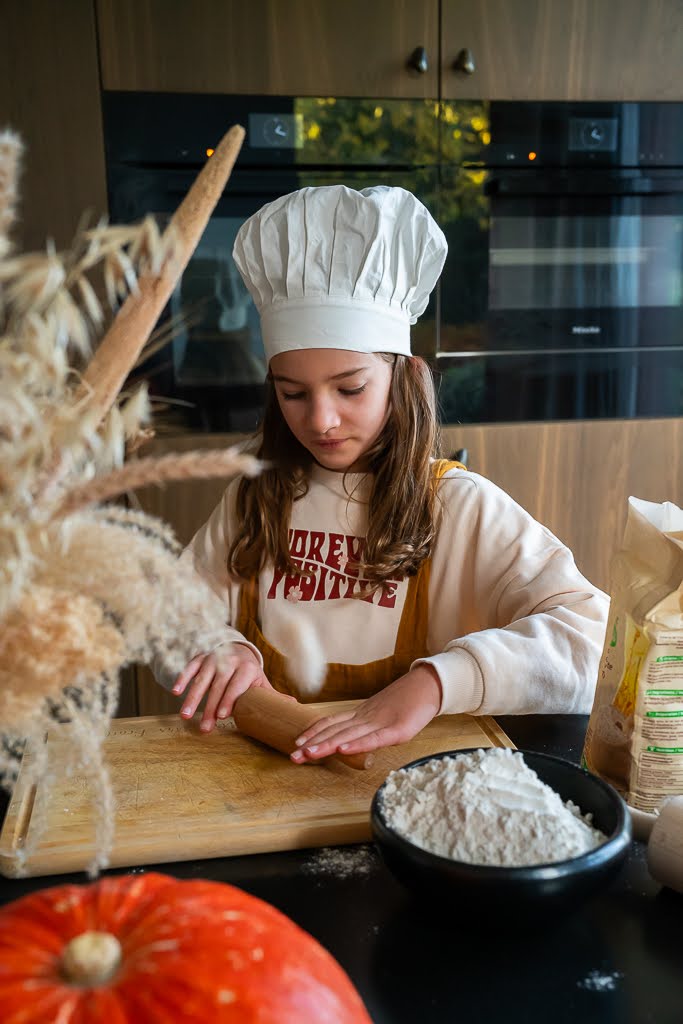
[(591, 329)]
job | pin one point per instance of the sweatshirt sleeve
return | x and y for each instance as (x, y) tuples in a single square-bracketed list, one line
[(207, 554), (516, 627)]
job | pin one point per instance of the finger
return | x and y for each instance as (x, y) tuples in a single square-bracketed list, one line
[(212, 711), (331, 744), (245, 676), (188, 672), (365, 743), (218, 703), (317, 730), (225, 708), (375, 740), (202, 681), (327, 731)]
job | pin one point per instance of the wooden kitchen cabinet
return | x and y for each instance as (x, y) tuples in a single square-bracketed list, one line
[(271, 47), (520, 49), (562, 49)]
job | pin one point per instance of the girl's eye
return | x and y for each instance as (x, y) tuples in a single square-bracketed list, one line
[(296, 396)]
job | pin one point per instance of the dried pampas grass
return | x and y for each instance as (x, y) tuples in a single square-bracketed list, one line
[(305, 661), (87, 589), (192, 466), (10, 155), (51, 637)]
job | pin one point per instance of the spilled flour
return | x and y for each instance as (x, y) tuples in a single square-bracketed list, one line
[(598, 981), (487, 807), (342, 861)]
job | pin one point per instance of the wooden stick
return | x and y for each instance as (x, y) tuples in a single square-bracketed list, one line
[(123, 342), (268, 716)]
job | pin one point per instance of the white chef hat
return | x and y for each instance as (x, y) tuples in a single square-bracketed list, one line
[(330, 267)]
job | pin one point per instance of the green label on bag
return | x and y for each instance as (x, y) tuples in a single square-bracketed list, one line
[(664, 693), (670, 657), (665, 750), (664, 714)]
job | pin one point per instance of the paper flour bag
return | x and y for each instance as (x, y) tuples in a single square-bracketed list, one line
[(635, 733)]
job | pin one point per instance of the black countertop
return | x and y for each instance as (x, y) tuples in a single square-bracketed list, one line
[(618, 957)]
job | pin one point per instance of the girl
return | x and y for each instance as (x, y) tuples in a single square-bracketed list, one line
[(430, 590)]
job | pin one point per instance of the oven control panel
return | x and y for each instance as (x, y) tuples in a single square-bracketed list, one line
[(593, 134)]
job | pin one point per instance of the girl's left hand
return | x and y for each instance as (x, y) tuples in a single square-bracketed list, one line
[(394, 715)]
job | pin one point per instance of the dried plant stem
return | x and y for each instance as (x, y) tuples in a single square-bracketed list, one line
[(134, 322), (189, 466), (10, 155)]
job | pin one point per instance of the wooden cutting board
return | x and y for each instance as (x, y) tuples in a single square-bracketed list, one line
[(182, 795)]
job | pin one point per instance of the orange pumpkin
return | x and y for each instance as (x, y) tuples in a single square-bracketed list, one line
[(149, 949)]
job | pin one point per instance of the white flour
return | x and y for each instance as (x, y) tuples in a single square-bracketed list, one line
[(342, 862), (487, 807), (598, 981)]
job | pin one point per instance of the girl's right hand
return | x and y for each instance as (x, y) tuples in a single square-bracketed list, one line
[(224, 680)]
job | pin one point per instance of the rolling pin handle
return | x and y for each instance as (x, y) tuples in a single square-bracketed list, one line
[(359, 761), (270, 717)]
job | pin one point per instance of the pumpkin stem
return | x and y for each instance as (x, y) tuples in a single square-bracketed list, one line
[(91, 958)]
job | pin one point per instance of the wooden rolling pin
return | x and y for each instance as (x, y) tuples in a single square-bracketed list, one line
[(270, 717)]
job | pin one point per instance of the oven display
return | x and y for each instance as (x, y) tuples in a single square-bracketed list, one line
[(275, 131)]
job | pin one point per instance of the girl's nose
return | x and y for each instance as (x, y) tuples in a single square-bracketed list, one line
[(324, 415)]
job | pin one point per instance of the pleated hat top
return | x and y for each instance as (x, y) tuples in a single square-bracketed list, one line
[(332, 267)]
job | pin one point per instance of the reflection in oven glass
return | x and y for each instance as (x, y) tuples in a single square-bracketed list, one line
[(517, 387), (217, 341)]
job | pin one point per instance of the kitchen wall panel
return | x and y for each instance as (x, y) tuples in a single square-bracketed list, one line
[(576, 477)]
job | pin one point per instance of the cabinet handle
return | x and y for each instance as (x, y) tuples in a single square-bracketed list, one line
[(465, 62), (418, 60)]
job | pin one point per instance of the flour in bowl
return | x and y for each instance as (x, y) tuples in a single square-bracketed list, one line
[(488, 807)]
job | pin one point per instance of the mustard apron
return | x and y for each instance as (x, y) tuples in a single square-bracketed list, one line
[(352, 682)]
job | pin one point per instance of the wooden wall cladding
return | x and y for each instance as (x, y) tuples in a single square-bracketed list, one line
[(50, 95), (270, 47), (576, 477)]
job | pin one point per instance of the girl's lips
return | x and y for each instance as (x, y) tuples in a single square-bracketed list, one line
[(331, 444)]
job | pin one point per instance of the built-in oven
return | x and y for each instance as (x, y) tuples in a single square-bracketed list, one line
[(208, 369), (562, 293), (562, 296)]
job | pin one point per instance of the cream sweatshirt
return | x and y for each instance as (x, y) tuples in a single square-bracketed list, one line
[(514, 628)]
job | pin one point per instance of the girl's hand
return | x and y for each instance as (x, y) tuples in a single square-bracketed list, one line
[(394, 715), (224, 678)]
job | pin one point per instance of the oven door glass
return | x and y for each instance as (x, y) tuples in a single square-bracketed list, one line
[(562, 296), (208, 368)]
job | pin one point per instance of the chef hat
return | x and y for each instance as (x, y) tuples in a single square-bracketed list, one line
[(331, 267)]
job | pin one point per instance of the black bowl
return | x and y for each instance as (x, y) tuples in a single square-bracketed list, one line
[(538, 887)]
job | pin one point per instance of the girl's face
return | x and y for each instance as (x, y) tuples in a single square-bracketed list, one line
[(335, 402)]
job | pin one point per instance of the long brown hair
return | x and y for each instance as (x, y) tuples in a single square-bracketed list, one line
[(401, 524)]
